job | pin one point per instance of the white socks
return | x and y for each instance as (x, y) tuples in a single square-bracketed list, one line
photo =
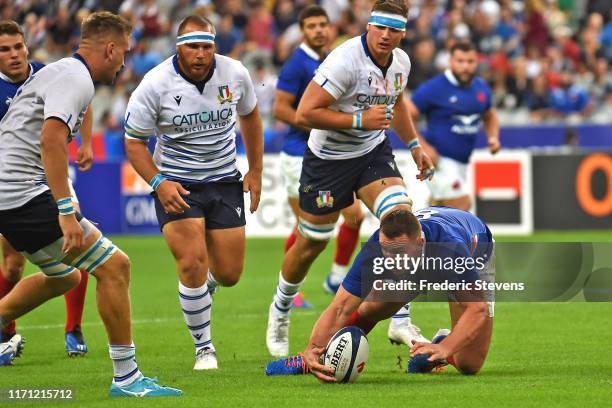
[(196, 304), (124, 364), (285, 292)]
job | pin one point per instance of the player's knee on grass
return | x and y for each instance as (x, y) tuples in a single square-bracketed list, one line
[(469, 365)]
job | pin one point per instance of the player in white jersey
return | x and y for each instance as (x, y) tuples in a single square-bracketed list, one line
[(191, 103), (37, 215), (15, 69), (356, 94)]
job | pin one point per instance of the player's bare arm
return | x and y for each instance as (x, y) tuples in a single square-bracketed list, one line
[(331, 320), (283, 109), (85, 151), (406, 130), (168, 191), (313, 112), (468, 326), (252, 136), (491, 128), (428, 148), (54, 155)]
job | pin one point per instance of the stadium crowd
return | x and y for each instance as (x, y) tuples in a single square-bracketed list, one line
[(546, 60)]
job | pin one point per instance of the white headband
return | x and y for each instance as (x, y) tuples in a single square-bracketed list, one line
[(196, 36), (388, 20)]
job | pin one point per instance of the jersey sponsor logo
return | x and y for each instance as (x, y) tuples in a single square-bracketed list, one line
[(370, 79), (225, 94), (371, 100), (452, 99), (325, 199), (201, 118), (8, 100), (177, 99), (467, 125)]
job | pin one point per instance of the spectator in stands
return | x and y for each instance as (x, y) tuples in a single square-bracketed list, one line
[(538, 98), (569, 98), (228, 38), (62, 32), (422, 59)]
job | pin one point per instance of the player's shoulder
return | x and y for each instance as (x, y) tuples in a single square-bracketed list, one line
[(228, 65), (480, 83), (350, 48), (161, 71), (401, 56)]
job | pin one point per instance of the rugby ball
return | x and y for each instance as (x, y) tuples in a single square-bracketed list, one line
[(347, 353)]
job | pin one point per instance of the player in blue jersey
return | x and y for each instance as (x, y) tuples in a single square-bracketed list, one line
[(14, 70), (294, 77), (431, 234), (455, 103)]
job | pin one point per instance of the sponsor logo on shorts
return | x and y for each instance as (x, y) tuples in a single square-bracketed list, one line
[(325, 199), (239, 211)]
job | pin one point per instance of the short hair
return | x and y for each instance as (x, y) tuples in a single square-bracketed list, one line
[(9, 27), (400, 222), (199, 21), (101, 23), (464, 46), (312, 10), (391, 6)]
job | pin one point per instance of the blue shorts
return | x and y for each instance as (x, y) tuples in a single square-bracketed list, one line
[(220, 203), (34, 225), (328, 186)]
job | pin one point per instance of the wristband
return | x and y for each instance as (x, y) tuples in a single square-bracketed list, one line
[(65, 206), (357, 121), (413, 144), (156, 181)]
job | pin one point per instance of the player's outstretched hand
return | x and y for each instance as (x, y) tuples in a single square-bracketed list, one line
[(312, 356), (436, 351), (72, 231), (84, 157), (169, 194), (252, 184), (423, 163), (494, 145), (377, 117)]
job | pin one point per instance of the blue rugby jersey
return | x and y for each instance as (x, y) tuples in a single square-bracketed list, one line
[(294, 77), (468, 235), (453, 113), (8, 89)]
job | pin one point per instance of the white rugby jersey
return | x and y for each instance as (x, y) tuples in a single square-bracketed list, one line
[(357, 83), (195, 129), (62, 90)]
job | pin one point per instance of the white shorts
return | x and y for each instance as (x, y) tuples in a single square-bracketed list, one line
[(450, 180), (291, 168)]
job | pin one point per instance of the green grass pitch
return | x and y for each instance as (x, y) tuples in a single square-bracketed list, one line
[(542, 354)]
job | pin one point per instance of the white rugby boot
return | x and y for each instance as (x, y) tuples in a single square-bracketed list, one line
[(402, 331), (206, 359), (277, 335)]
